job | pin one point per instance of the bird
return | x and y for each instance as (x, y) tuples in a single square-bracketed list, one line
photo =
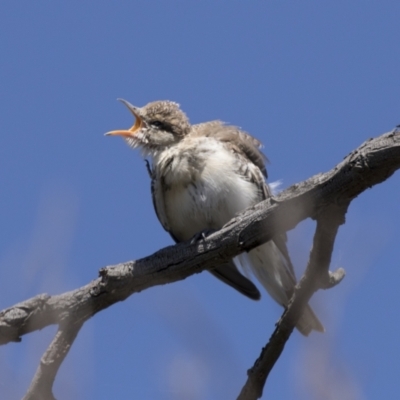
[(202, 176)]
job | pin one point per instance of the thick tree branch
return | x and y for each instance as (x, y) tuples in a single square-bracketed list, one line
[(370, 164)]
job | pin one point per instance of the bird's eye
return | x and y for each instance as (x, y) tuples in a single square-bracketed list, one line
[(161, 125), (157, 124)]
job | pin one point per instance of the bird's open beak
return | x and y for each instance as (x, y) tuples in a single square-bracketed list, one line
[(136, 127)]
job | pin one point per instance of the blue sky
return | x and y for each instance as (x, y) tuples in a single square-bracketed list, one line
[(312, 80)]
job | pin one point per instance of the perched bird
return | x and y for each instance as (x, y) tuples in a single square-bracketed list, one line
[(201, 177)]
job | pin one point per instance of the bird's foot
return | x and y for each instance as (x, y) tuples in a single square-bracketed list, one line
[(202, 235)]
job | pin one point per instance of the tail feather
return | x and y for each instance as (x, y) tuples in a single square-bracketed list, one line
[(229, 274), (275, 273), (309, 322)]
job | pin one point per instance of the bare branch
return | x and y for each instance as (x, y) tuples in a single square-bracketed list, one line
[(317, 276), (324, 197), (42, 383), (372, 163), (334, 278)]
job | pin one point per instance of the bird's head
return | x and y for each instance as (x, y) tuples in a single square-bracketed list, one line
[(157, 126)]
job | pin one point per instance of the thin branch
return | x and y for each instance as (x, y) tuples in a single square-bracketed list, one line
[(316, 276), (370, 164), (42, 383)]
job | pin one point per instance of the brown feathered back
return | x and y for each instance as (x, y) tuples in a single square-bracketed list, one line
[(241, 141)]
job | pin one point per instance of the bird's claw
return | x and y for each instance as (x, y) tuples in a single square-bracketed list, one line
[(202, 235)]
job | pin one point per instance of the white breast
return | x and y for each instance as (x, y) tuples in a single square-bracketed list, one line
[(203, 189)]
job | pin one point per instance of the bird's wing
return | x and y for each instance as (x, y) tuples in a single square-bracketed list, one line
[(157, 195), (227, 273), (251, 165), (244, 143)]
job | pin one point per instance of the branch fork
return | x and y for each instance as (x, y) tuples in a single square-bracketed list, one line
[(324, 197)]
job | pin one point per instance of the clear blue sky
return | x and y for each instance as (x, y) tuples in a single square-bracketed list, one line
[(311, 79)]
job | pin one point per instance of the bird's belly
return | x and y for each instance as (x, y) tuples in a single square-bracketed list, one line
[(208, 202)]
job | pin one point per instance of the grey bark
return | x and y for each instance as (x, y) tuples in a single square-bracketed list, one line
[(323, 197)]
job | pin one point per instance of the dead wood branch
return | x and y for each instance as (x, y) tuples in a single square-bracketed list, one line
[(372, 163), (41, 387)]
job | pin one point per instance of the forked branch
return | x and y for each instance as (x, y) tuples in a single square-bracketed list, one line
[(320, 197), (317, 276)]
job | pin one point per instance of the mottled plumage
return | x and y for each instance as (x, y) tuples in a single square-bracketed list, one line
[(201, 177)]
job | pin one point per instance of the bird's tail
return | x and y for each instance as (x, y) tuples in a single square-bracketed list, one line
[(276, 274), (309, 322)]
